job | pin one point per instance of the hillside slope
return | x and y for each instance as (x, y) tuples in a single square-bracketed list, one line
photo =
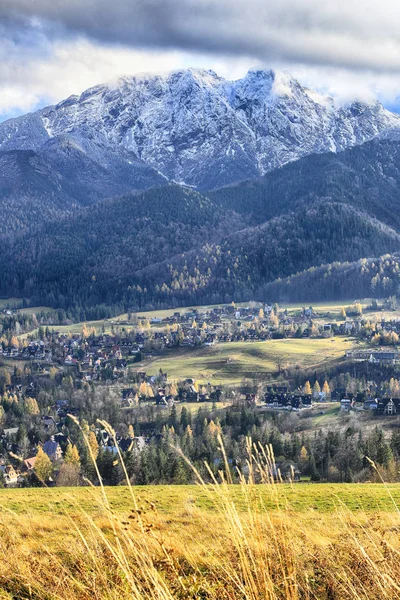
[(367, 177), (173, 246)]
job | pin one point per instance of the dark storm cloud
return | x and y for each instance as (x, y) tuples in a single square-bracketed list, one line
[(355, 34)]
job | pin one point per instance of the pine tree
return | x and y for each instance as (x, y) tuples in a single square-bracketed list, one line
[(307, 389), (181, 475)]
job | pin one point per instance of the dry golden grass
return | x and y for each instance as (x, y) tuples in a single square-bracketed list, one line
[(238, 548)]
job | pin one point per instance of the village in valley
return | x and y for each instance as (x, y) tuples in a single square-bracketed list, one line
[(134, 370)]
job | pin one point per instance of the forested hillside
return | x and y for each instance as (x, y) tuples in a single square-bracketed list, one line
[(373, 277), (37, 187), (93, 257), (171, 245), (239, 266), (367, 177)]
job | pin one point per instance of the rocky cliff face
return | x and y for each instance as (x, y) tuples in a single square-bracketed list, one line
[(196, 128)]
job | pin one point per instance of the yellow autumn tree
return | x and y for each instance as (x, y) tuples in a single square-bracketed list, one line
[(307, 388), (173, 390), (72, 456), (31, 406), (303, 454), (274, 320), (143, 390), (43, 466), (326, 389), (213, 428), (93, 444), (316, 389), (14, 341)]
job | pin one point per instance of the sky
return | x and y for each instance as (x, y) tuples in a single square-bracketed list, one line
[(50, 49)]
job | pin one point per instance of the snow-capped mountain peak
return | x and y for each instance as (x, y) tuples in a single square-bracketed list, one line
[(197, 128)]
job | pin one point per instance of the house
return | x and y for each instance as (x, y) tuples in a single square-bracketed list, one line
[(346, 404), (129, 397), (125, 444), (388, 406), (11, 431), (251, 399), (48, 422), (29, 463), (10, 475), (286, 471), (384, 358), (286, 401), (52, 449), (370, 404)]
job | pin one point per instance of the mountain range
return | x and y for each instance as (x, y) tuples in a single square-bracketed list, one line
[(165, 190)]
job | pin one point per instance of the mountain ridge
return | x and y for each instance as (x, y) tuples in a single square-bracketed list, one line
[(198, 129)]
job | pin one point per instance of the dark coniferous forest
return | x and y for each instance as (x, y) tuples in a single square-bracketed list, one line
[(316, 227)]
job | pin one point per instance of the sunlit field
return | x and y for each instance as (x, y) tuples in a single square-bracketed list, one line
[(229, 363), (271, 541)]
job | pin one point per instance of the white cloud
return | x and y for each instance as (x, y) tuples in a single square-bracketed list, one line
[(69, 68), (345, 33), (50, 49)]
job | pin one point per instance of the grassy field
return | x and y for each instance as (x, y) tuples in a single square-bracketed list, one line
[(265, 542), (229, 363), (34, 310), (172, 500), (4, 302)]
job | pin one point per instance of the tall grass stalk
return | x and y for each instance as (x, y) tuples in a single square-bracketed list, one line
[(240, 550)]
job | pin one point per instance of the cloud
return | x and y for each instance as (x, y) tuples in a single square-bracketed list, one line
[(50, 72), (352, 34), (50, 49)]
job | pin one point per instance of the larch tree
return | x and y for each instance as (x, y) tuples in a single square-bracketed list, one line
[(72, 456), (43, 466), (326, 389), (316, 389), (93, 444), (303, 454), (31, 406)]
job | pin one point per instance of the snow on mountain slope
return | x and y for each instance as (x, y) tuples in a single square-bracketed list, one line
[(196, 128)]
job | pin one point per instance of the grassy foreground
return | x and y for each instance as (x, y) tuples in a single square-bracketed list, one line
[(250, 542)]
